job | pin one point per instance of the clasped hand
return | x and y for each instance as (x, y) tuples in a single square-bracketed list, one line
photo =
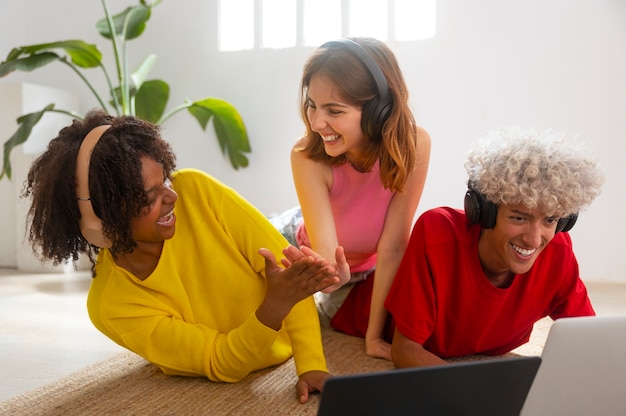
[(304, 272)]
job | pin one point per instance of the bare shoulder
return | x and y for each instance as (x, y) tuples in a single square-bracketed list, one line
[(299, 145), (307, 170), (417, 178), (423, 138), (301, 156), (298, 155)]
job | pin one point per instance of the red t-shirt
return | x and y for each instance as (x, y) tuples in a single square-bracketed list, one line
[(442, 299)]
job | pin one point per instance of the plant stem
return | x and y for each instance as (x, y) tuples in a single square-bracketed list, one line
[(93, 90), (125, 86), (173, 111), (116, 53), (70, 113), (116, 102)]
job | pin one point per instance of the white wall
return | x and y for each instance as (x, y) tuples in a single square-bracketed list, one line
[(531, 63)]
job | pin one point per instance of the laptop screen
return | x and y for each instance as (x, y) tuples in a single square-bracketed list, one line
[(583, 370), (489, 387)]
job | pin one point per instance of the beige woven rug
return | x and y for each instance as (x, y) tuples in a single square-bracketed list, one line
[(126, 384)]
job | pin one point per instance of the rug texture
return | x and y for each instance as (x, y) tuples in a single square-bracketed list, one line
[(126, 384)]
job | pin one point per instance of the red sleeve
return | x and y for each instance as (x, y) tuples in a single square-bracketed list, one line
[(572, 298)]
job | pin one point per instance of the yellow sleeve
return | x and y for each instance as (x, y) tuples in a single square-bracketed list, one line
[(302, 324), (304, 330)]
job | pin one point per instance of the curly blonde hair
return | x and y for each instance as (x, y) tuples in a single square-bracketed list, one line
[(541, 170)]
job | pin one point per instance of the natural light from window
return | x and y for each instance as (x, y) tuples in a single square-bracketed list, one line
[(279, 24), (414, 20), (236, 25), (250, 24), (367, 18), (321, 21)]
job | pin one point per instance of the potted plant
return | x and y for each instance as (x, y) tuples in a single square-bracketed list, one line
[(134, 94)]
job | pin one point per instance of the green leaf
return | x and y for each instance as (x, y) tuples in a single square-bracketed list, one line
[(136, 18), (232, 141), (140, 74), (83, 54), (30, 63), (26, 122), (151, 100), (229, 128)]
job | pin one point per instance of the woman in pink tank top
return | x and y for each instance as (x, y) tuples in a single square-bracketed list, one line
[(359, 173)]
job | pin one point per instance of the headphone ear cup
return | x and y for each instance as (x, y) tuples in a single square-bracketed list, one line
[(480, 211), (566, 224), (490, 214), (373, 117), (472, 207)]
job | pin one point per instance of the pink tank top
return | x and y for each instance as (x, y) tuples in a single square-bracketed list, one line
[(359, 202)]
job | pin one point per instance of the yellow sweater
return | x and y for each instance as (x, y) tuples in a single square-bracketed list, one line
[(195, 315)]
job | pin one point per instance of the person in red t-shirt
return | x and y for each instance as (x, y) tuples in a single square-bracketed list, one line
[(475, 281)]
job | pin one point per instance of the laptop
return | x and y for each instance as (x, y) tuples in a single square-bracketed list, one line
[(495, 386), (583, 370)]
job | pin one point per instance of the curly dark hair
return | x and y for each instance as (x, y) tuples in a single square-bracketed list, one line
[(115, 185)]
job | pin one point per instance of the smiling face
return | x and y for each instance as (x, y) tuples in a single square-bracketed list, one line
[(338, 122), (157, 221), (512, 246)]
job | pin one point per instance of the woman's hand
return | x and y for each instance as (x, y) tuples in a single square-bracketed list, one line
[(341, 264), (343, 270), (301, 276), (378, 348), (310, 382)]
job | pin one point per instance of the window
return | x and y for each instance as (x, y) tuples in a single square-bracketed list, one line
[(236, 24), (278, 24), (368, 18), (249, 24), (321, 21)]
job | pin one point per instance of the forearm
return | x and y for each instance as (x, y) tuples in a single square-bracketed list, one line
[(415, 359), (272, 313), (387, 266), (378, 313), (406, 353)]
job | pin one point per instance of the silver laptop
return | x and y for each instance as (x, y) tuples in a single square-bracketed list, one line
[(490, 387), (583, 369)]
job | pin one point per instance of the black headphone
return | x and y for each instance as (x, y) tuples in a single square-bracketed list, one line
[(89, 223), (375, 111), (479, 210)]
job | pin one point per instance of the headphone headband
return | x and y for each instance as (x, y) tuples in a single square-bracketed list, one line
[(367, 60), (90, 224)]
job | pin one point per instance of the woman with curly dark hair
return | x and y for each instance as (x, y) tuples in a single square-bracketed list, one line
[(185, 270)]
